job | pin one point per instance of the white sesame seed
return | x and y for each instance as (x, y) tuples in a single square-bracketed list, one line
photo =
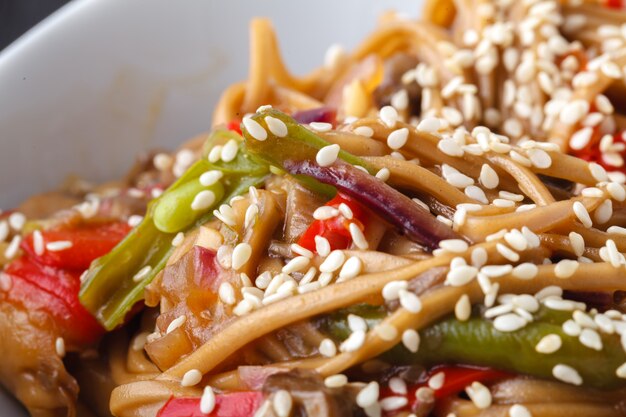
[(459, 180), (495, 271), (178, 239), (584, 319), (59, 245), (518, 410), (191, 378), (333, 262), (351, 268), (254, 129), (162, 161), (296, 264), (559, 304), (393, 403), (364, 131), (325, 213), (592, 192), (368, 395), (391, 290), (454, 245), (565, 268), (436, 381), (276, 126), (509, 323), (517, 157), (410, 301), (327, 155), (571, 328), (229, 151), (498, 310), (527, 302), (488, 177), (321, 126), (479, 394), (327, 348), (358, 238), (429, 125), (479, 257), (463, 308), (322, 246), (598, 172), (241, 255), (210, 177), (243, 308), (591, 339), (299, 250), (176, 323), (346, 211), (142, 273), (383, 174), (461, 275), (336, 381), (226, 293), (17, 221), (611, 70), (582, 214), (38, 243), (397, 139), (525, 271), (604, 212), (59, 346), (503, 203), (450, 147), (356, 323), (389, 116), (207, 401), (282, 403), (573, 112), (549, 344), (411, 340), (203, 200), (507, 252), (353, 342), (516, 240), (616, 191), (567, 374)]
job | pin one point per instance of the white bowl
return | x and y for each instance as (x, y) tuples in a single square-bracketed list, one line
[(100, 80)]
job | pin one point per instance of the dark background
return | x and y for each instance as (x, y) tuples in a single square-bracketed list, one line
[(17, 16)]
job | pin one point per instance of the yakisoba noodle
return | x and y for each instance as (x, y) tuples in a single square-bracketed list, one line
[(431, 224)]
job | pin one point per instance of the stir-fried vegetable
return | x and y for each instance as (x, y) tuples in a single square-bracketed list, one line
[(116, 282), (296, 152), (477, 342)]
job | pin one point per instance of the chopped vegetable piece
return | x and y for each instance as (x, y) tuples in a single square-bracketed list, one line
[(54, 291), (236, 404), (88, 242)]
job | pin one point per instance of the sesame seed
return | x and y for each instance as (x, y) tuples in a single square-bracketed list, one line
[(299, 250), (383, 174), (241, 255), (456, 179), (215, 154), (391, 290), (353, 342), (178, 239), (207, 401), (142, 273), (191, 378), (366, 131), (333, 262), (327, 348), (346, 211), (59, 245), (518, 410), (503, 203), (479, 257), (203, 200), (621, 371), (393, 403), (559, 304), (565, 268), (410, 301), (616, 191), (276, 126), (411, 340), (573, 112), (549, 344), (322, 246), (571, 328), (584, 319), (488, 177), (591, 339), (162, 161), (336, 381), (450, 147), (368, 395), (282, 403), (210, 177), (320, 126), (495, 271), (254, 129), (567, 374), (598, 172), (17, 221), (135, 220), (327, 155), (176, 323), (296, 264), (358, 238), (229, 150), (509, 323), (507, 252), (429, 125), (59, 346), (38, 243), (516, 240), (351, 268), (397, 139), (479, 394), (325, 213), (604, 212), (582, 214), (226, 293), (498, 310), (356, 323), (463, 308), (454, 245), (389, 116), (592, 192), (461, 275)]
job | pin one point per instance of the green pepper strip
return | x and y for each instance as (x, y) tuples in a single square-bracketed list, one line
[(477, 342), (109, 291), (299, 144)]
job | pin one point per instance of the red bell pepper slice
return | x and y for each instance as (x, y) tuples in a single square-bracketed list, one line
[(457, 378), (592, 153), (89, 242), (55, 291), (236, 404), (234, 125), (337, 229), (614, 4)]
